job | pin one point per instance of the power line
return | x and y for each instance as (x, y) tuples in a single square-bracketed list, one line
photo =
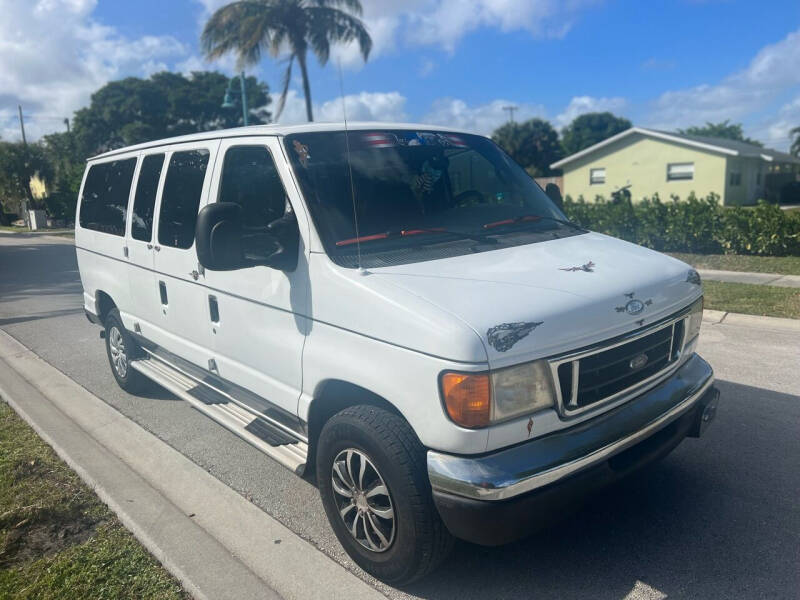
[(510, 109)]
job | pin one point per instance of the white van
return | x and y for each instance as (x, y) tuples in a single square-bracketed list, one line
[(400, 312)]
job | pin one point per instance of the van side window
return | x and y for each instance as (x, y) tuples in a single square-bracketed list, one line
[(105, 196), (250, 179), (145, 199), (181, 198)]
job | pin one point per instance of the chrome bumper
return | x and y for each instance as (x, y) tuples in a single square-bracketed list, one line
[(529, 466)]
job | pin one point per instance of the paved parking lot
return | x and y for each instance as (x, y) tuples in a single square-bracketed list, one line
[(718, 518)]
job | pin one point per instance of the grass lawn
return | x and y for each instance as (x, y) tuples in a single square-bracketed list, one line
[(57, 540), (763, 300), (785, 265)]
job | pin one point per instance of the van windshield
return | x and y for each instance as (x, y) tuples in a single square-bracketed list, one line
[(418, 195)]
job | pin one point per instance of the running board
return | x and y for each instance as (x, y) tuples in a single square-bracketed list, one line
[(288, 450)]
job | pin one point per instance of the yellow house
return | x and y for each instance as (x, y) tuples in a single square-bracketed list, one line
[(672, 164)]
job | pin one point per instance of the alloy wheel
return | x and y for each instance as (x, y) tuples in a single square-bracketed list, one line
[(363, 500), (116, 345)]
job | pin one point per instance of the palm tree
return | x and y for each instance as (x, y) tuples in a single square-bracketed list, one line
[(248, 27), (796, 143)]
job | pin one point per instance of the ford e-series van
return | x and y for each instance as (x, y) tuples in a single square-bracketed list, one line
[(400, 313)]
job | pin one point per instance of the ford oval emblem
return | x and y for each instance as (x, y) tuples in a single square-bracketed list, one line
[(638, 361), (634, 307)]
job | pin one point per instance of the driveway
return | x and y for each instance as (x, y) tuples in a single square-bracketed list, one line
[(718, 518)]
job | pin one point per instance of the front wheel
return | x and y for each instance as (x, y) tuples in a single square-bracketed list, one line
[(372, 477), (121, 349)]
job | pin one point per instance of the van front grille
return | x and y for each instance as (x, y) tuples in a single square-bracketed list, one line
[(603, 374)]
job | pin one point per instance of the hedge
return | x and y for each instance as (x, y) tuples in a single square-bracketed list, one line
[(699, 225)]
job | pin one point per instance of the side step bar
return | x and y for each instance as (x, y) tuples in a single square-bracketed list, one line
[(289, 451)]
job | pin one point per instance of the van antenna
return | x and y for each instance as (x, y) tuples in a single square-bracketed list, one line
[(361, 270)]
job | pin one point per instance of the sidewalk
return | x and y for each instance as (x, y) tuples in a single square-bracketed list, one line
[(774, 279), (218, 544)]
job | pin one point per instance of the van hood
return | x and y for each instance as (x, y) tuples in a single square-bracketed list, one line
[(543, 299)]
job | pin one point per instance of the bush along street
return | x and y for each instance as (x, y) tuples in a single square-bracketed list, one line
[(700, 225)]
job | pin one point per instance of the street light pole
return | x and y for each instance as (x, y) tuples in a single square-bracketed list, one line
[(22, 125), (228, 102), (244, 99)]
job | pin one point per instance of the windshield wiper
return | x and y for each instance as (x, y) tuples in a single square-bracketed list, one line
[(400, 233), (531, 219)]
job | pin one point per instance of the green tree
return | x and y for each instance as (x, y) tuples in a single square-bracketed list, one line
[(725, 129), (590, 129), (533, 144), (18, 163), (796, 143), (249, 27), (68, 169), (133, 110)]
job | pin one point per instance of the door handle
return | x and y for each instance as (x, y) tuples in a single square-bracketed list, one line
[(162, 289), (149, 246), (157, 248), (213, 309)]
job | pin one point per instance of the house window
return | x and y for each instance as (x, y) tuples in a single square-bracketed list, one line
[(735, 178), (677, 171), (597, 176)]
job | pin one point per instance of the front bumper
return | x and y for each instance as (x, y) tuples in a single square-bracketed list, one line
[(498, 497)]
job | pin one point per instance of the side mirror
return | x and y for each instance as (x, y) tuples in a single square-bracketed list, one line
[(218, 237), (554, 193), (225, 244)]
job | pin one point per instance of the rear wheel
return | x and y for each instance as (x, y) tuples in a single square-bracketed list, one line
[(121, 349), (372, 477)]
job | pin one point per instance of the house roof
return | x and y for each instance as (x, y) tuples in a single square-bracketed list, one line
[(711, 144), (276, 130)]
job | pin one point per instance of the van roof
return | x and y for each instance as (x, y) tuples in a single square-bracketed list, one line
[(275, 129)]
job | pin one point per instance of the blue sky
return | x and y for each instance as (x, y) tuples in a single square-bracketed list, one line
[(664, 64)]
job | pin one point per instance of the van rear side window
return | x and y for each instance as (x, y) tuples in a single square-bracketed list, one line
[(105, 196), (181, 198), (145, 199)]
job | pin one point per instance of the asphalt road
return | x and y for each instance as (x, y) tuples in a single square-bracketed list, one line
[(718, 518)]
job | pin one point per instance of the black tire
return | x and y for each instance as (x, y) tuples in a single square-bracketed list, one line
[(420, 541), (118, 340)]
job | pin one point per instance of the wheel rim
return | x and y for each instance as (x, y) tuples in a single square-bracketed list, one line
[(363, 501), (116, 345)]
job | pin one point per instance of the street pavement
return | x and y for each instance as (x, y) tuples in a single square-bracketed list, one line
[(718, 518)]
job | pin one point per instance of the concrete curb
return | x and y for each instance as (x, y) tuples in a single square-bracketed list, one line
[(719, 317), (213, 540), (773, 279)]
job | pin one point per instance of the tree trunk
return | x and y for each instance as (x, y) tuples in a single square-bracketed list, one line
[(301, 59)]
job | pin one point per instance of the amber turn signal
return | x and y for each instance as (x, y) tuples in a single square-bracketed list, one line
[(466, 397)]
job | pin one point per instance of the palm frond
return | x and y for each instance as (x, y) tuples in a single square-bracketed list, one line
[(328, 25), (243, 27), (354, 6)]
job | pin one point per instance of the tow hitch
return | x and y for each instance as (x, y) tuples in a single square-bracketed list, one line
[(706, 411)]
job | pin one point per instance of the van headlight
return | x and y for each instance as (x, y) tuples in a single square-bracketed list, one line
[(480, 399), (520, 390), (694, 320)]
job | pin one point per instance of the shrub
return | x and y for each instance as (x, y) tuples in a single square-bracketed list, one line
[(700, 225)]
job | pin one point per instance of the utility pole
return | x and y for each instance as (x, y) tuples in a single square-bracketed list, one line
[(22, 125), (510, 109), (66, 122)]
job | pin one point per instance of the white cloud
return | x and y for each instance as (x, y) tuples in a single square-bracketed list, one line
[(580, 105), (442, 23), (774, 130), (364, 106), (53, 56), (772, 71), (484, 118)]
